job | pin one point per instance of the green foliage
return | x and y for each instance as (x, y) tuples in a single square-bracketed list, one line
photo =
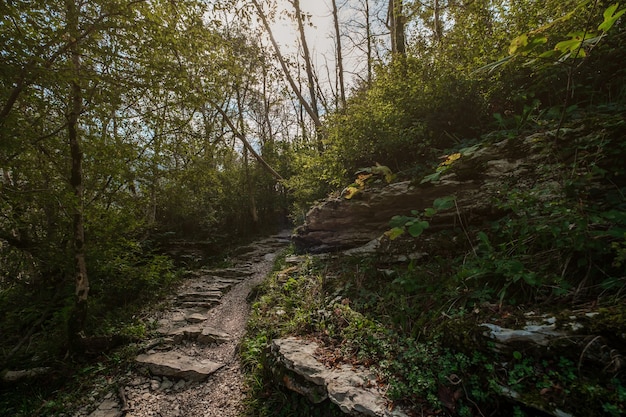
[(443, 167), (414, 224), (411, 111), (378, 174), (285, 303)]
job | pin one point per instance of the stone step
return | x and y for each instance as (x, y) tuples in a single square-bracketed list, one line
[(195, 318), (198, 332), (239, 273), (199, 296), (194, 305), (177, 365), (212, 335), (220, 284)]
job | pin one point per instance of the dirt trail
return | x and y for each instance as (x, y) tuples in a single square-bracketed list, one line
[(203, 327)]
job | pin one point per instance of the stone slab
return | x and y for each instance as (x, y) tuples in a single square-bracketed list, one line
[(177, 365), (351, 389)]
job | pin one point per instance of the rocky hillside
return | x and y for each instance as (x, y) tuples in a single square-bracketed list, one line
[(492, 286)]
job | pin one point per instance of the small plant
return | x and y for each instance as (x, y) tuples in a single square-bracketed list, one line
[(415, 224), (365, 176), (448, 164)]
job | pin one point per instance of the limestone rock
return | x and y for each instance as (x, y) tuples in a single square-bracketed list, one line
[(176, 365), (197, 332), (195, 318), (296, 367), (338, 223), (108, 408), (211, 335), (238, 273)]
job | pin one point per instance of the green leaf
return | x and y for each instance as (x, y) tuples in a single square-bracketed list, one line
[(610, 17), (394, 233), (444, 203), (400, 221), (469, 150), (482, 236), (492, 66), (417, 228), (526, 43), (430, 212), (520, 42), (517, 355), (431, 178)]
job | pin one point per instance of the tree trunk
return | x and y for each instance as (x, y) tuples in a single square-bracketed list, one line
[(245, 142), (312, 114), (307, 58), (437, 29), (396, 25), (254, 215), (76, 325), (342, 87), (368, 34)]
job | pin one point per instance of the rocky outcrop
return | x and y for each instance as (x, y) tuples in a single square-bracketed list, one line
[(355, 391), (338, 223)]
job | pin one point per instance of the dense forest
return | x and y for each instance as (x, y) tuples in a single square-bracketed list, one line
[(128, 127)]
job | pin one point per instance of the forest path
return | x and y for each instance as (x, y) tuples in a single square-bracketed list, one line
[(192, 369)]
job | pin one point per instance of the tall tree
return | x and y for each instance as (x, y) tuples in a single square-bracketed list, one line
[(340, 73), (396, 23), (81, 279), (310, 109), (308, 65), (437, 26)]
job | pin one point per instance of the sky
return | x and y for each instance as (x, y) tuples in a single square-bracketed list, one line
[(320, 35)]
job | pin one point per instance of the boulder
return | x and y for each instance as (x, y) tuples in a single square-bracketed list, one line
[(354, 390)]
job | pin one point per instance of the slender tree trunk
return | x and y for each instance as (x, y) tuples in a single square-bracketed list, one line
[(76, 325), (396, 25), (245, 142), (342, 87), (437, 29), (249, 181), (368, 34), (307, 58), (312, 114), (311, 82)]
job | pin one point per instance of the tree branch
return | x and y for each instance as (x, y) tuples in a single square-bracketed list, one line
[(245, 142)]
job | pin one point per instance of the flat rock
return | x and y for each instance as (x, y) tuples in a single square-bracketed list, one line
[(177, 365), (189, 305), (351, 389), (195, 318), (338, 223), (199, 295), (108, 408), (212, 335), (230, 272)]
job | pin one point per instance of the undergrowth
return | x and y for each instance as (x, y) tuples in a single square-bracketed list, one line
[(556, 248)]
